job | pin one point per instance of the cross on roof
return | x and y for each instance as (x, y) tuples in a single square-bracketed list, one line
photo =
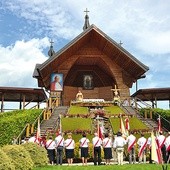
[(86, 11), (115, 90), (51, 42), (120, 43)]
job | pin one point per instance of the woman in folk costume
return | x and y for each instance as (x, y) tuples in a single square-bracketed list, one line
[(142, 144), (69, 144), (84, 146), (107, 147), (50, 146)]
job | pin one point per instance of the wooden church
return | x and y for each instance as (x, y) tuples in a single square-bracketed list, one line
[(92, 63)]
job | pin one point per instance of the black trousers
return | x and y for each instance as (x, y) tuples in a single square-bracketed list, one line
[(97, 155), (163, 150), (59, 155)]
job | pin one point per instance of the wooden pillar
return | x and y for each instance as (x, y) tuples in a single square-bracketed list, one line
[(2, 103), (23, 102), (20, 103), (145, 113), (38, 105), (155, 102)]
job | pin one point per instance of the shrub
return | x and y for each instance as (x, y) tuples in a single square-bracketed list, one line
[(12, 123), (38, 154), (5, 161), (20, 157)]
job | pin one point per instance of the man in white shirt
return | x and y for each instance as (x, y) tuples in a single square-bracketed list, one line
[(118, 144), (84, 146), (167, 144), (96, 141), (131, 141), (161, 144), (142, 144), (59, 141)]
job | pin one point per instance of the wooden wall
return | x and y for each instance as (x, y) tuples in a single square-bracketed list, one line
[(97, 93)]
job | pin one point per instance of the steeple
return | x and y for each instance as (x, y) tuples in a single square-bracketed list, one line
[(51, 51), (86, 24)]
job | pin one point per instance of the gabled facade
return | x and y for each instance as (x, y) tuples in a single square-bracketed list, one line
[(92, 53)]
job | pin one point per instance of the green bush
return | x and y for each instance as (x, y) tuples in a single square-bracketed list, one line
[(38, 154), (5, 161), (20, 157), (12, 123)]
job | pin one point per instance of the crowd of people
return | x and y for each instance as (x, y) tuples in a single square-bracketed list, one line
[(59, 146)]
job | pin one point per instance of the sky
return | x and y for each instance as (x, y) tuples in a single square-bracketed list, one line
[(26, 28)]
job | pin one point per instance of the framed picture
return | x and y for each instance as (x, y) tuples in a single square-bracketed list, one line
[(88, 82), (56, 82)]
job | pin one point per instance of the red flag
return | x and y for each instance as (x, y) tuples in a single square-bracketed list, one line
[(159, 124), (100, 132), (127, 126)]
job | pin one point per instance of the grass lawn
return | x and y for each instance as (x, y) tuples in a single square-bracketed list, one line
[(135, 123), (113, 109), (116, 167), (76, 123), (78, 110)]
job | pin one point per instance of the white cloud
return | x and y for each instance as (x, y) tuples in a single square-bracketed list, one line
[(17, 62)]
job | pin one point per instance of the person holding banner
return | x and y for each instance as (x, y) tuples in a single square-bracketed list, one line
[(142, 144), (69, 144), (131, 142), (107, 147), (96, 141), (161, 144), (59, 140), (84, 146)]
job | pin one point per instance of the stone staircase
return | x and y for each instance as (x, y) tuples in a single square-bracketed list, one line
[(49, 126), (104, 121)]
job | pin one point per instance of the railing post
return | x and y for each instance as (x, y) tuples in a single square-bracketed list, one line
[(145, 114), (150, 114), (32, 128), (28, 130)]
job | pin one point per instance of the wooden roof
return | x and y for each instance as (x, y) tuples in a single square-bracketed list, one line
[(105, 46), (15, 94), (153, 94)]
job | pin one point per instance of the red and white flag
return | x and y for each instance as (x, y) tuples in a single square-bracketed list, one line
[(127, 126), (159, 124), (155, 150), (100, 131), (38, 133), (122, 127)]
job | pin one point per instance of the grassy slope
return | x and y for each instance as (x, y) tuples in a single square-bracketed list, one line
[(78, 110), (76, 123), (134, 124)]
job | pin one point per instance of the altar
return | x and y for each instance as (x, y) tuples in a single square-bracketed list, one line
[(92, 103)]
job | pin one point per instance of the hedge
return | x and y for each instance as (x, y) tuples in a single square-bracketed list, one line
[(20, 157), (12, 123)]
